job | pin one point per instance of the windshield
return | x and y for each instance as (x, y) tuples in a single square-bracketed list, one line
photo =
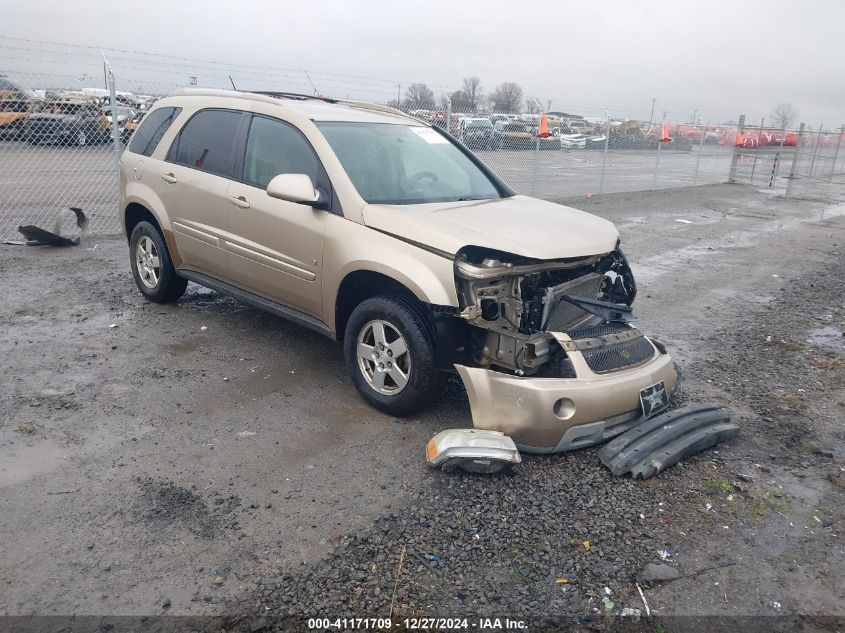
[(405, 164)]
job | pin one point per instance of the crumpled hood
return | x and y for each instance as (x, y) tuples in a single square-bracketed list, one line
[(520, 225)]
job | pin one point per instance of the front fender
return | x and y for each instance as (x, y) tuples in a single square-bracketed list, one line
[(351, 247)]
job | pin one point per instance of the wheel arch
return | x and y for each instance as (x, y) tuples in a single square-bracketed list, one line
[(134, 212), (360, 285)]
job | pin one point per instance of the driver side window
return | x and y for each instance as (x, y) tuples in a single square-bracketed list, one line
[(274, 147)]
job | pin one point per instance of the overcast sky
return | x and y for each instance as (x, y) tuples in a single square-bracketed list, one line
[(720, 57)]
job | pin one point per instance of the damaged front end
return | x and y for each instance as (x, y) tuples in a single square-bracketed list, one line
[(551, 357)]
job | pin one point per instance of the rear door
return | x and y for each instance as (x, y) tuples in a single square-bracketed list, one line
[(277, 246), (193, 182)]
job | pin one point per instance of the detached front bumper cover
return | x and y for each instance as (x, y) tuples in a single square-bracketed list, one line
[(549, 415)]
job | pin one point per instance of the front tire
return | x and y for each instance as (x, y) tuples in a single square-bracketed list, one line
[(152, 267), (389, 351)]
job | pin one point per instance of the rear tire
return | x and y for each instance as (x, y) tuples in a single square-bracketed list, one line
[(152, 267), (390, 353)]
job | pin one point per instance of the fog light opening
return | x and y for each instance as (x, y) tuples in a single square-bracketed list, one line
[(564, 408)]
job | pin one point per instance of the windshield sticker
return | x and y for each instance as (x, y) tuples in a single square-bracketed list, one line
[(429, 135)]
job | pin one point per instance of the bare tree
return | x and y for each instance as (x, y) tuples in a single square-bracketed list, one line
[(784, 115), (419, 97), (532, 106), (472, 90), (461, 101), (507, 97)]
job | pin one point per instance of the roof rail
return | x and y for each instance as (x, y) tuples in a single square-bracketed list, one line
[(293, 95), (365, 105)]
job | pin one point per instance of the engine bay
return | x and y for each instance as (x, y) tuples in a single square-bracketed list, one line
[(513, 303)]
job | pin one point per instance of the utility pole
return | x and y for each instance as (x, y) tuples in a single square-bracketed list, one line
[(651, 116)]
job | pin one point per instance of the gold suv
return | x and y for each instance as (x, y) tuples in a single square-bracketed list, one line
[(381, 231)]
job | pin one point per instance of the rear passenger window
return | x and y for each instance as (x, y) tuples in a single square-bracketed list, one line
[(146, 137), (206, 142), (277, 148)]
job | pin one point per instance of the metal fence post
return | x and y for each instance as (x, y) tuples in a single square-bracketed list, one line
[(778, 157), (698, 156), (815, 151), (115, 126), (836, 153), (604, 156), (657, 160), (796, 157), (757, 149), (737, 150)]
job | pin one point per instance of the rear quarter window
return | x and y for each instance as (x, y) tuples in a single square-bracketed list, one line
[(155, 124), (207, 142)]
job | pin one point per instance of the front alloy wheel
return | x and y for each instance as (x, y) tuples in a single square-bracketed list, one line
[(389, 348), (383, 357)]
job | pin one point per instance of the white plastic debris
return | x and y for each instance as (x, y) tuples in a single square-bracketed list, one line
[(683, 221), (203, 328)]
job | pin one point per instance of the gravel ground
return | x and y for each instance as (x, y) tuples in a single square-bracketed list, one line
[(550, 541), (205, 458)]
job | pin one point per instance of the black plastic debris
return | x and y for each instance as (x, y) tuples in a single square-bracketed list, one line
[(656, 444), (36, 236)]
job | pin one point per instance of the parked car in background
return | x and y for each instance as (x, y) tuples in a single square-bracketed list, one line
[(124, 114), (496, 118), (15, 111), (517, 135), (569, 141), (131, 125), (578, 126), (68, 121), (478, 133)]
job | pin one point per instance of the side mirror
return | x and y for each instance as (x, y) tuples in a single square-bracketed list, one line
[(293, 188)]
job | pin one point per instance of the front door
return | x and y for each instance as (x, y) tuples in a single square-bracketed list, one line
[(276, 246), (193, 185)]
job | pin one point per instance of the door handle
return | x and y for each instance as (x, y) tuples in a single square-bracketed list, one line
[(240, 201), (168, 178)]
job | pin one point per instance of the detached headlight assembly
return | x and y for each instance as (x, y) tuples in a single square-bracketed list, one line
[(474, 450)]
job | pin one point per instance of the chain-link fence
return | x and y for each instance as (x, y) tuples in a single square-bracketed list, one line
[(796, 162), (61, 135)]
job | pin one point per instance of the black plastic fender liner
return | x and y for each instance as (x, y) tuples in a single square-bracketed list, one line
[(656, 444)]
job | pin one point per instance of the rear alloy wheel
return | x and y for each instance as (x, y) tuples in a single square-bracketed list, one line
[(148, 262), (81, 139), (389, 350), (152, 268)]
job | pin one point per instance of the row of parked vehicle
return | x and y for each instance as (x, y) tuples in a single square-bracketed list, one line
[(66, 118), (511, 131)]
